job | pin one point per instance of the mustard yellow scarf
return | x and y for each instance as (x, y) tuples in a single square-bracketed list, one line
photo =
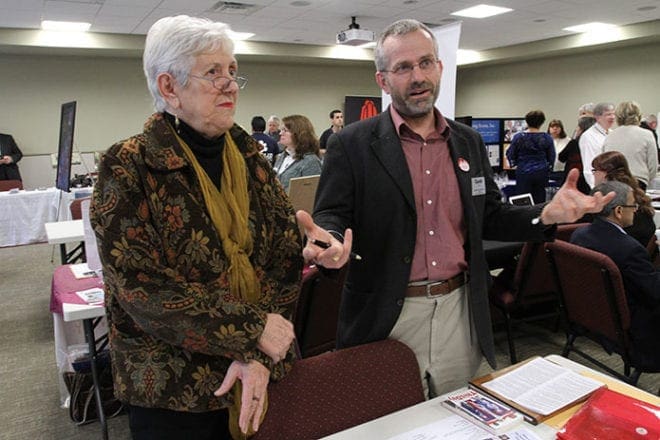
[(229, 209)]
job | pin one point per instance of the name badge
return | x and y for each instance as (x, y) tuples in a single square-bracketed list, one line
[(478, 186)]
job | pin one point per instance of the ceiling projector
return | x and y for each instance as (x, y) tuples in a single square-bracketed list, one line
[(354, 36)]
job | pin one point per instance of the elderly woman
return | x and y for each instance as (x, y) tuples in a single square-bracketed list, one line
[(613, 165), (302, 155), (636, 143), (200, 250)]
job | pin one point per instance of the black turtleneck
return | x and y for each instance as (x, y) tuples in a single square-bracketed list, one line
[(208, 152)]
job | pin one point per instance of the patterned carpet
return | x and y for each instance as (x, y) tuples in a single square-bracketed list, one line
[(28, 373)]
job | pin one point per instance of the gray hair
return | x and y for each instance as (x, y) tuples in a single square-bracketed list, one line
[(587, 108), (273, 118), (401, 27), (628, 113), (173, 43), (603, 107), (621, 198), (650, 118)]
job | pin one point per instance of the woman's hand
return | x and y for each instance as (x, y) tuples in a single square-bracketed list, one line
[(254, 379), (277, 337)]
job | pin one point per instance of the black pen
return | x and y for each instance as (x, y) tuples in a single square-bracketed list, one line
[(326, 245)]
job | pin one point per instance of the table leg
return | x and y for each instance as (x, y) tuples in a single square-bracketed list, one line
[(91, 342), (63, 258)]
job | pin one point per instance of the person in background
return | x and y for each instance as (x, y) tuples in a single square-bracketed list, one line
[(416, 192), (571, 153), (636, 143), (560, 139), (650, 122), (591, 141), (301, 156), (641, 280), (336, 124), (10, 154), (532, 152), (201, 254), (274, 125), (612, 165), (586, 109), (270, 148)]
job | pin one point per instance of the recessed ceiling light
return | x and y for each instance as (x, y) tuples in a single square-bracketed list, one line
[(70, 26), (481, 11), (240, 36), (590, 27)]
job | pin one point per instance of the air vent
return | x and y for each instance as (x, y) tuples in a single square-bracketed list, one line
[(234, 8)]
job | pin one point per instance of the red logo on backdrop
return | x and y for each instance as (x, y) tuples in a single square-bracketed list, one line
[(368, 109)]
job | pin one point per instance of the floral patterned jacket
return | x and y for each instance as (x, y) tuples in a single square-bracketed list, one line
[(174, 328)]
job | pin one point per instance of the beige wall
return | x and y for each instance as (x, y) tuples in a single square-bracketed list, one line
[(113, 101), (559, 85)]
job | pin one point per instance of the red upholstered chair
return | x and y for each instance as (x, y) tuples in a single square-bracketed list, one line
[(338, 390), (530, 286), (6, 185), (317, 311), (594, 304), (654, 252), (565, 231)]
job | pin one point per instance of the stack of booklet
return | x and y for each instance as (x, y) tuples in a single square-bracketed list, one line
[(537, 388)]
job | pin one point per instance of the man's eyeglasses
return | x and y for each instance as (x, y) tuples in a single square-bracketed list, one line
[(222, 82), (634, 205), (426, 65)]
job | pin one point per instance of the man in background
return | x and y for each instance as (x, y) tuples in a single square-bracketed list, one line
[(591, 141), (336, 124), (270, 148), (10, 154), (640, 278)]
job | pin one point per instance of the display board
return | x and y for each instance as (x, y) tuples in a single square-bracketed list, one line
[(65, 146)]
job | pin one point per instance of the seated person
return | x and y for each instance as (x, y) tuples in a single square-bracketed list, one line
[(270, 148), (302, 156), (612, 165), (641, 280)]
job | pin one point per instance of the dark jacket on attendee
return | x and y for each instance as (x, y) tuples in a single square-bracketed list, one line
[(366, 186), (641, 280), (8, 147)]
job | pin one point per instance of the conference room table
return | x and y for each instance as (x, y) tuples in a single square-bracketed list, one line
[(422, 421), (76, 322)]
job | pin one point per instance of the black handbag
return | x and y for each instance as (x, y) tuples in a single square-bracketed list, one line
[(79, 383)]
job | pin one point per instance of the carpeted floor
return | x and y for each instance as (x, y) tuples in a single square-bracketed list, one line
[(29, 393)]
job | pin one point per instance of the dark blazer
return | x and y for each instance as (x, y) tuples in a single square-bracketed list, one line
[(8, 147), (640, 278), (366, 185)]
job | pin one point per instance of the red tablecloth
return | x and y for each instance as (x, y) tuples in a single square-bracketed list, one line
[(65, 286)]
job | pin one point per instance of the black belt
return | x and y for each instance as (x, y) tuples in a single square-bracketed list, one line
[(434, 289)]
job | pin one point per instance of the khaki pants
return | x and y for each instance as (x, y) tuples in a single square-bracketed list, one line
[(440, 332)]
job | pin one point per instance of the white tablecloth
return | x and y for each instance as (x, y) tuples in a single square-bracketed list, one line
[(24, 213)]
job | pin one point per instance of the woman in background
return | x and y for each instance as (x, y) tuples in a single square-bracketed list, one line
[(532, 152), (560, 139), (612, 165), (571, 153), (635, 142), (302, 155)]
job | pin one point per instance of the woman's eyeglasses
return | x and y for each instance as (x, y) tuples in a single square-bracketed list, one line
[(222, 82)]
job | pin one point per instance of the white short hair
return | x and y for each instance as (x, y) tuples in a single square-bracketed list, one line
[(173, 43)]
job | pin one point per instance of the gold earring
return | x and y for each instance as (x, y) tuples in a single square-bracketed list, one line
[(177, 123)]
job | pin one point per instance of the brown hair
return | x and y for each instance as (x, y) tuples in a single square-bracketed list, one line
[(302, 134), (557, 123), (615, 166)]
